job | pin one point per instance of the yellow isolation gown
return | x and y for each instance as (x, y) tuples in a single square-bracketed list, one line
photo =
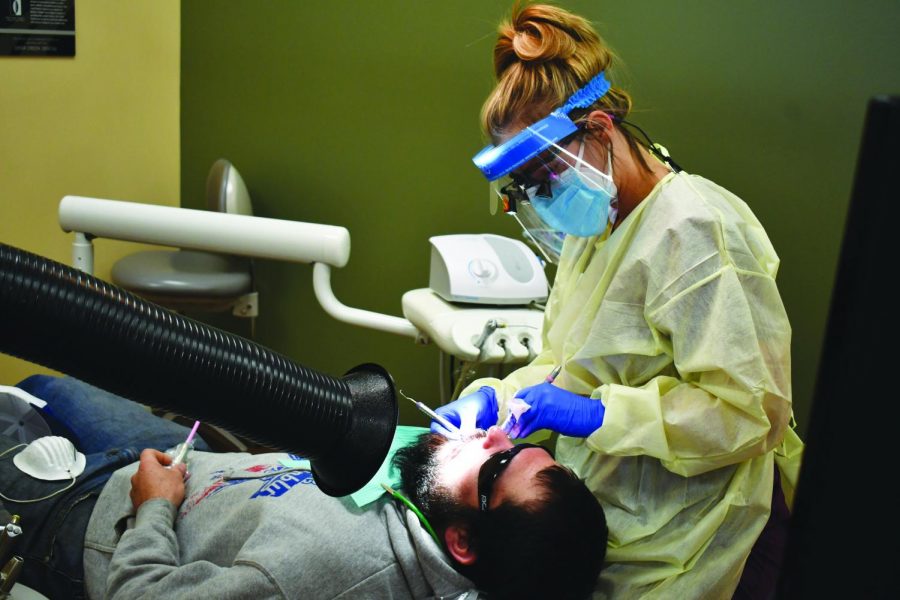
[(675, 323)]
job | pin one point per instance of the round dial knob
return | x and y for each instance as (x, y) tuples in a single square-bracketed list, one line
[(482, 269)]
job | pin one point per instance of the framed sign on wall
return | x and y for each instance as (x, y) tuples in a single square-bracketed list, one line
[(37, 27)]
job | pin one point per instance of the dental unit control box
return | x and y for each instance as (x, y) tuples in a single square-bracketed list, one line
[(485, 269)]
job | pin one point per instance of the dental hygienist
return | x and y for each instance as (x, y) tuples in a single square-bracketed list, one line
[(674, 397)]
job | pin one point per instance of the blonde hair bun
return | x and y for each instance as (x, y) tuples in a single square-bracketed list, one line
[(540, 33), (543, 55), (538, 41)]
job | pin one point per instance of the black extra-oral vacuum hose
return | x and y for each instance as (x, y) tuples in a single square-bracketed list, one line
[(59, 317)]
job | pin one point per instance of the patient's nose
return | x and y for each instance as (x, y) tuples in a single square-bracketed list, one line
[(496, 439)]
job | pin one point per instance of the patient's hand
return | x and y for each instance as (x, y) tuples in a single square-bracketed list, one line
[(154, 480)]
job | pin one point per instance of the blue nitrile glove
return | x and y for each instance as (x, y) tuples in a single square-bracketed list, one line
[(559, 410), (475, 410)]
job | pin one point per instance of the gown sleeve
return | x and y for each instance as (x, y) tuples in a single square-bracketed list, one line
[(711, 322), (729, 399)]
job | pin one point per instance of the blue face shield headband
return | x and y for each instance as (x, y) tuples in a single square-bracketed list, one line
[(498, 161)]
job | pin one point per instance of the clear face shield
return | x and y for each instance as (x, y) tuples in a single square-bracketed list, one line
[(548, 207), (558, 194)]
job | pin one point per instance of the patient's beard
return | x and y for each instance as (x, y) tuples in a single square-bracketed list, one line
[(419, 469)]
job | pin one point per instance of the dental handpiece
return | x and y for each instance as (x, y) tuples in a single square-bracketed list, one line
[(553, 374)]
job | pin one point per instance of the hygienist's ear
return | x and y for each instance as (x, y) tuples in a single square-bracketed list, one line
[(599, 124), (457, 540)]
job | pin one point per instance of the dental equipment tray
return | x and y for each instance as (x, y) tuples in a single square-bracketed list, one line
[(458, 329)]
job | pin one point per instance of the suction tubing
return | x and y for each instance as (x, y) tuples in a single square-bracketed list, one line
[(59, 317)]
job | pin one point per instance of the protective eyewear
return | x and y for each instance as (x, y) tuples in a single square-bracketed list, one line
[(493, 468), (518, 191), (524, 187)]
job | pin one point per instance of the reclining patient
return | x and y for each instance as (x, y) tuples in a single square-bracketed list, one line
[(510, 523)]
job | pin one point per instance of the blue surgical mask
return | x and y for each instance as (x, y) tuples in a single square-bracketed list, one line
[(579, 201)]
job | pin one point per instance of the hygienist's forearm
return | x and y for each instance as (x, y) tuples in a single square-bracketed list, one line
[(690, 430), (728, 397)]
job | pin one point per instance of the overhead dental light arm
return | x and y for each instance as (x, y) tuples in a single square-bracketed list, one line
[(355, 316), (240, 235), (324, 245)]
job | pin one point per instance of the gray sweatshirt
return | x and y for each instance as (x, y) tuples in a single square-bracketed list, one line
[(252, 528)]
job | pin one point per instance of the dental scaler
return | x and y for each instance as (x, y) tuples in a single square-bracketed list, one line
[(433, 415)]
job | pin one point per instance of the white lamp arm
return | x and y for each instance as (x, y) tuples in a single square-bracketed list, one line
[(240, 235), (356, 316), (324, 245)]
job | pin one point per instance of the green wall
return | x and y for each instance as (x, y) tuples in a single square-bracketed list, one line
[(364, 114)]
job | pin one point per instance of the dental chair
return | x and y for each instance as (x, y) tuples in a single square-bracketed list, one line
[(193, 280), (10, 563)]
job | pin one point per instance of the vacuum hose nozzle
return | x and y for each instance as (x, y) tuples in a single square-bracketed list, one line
[(57, 316)]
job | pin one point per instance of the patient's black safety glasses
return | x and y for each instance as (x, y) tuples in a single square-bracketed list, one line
[(493, 468)]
